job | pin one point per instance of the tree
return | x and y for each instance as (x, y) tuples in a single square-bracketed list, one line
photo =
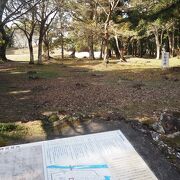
[(157, 18), (92, 19), (10, 10), (157, 28), (108, 8), (27, 23), (45, 16), (84, 15), (62, 21)]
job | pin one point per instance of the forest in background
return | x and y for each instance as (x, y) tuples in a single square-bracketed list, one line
[(141, 28)]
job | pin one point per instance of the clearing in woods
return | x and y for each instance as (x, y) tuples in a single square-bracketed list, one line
[(138, 90)]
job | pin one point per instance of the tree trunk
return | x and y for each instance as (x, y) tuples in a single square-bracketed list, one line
[(109, 53), (47, 53), (3, 35), (91, 15), (3, 44), (91, 47), (158, 52), (105, 51), (178, 39), (101, 51), (132, 48), (46, 49), (62, 46), (135, 48), (117, 44), (3, 52), (140, 49), (106, 43), (106, 37), (40, 46), (31, 52), (73, 54), (170, 42), (173, 42), (158, 47)]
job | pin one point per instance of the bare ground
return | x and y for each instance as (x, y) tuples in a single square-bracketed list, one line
[(86, 87), (137, 94)]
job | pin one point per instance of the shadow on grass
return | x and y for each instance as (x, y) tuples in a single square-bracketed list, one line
[(18, 94)]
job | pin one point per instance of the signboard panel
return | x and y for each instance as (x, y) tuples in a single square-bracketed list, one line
[(102, 156), (165, 59)]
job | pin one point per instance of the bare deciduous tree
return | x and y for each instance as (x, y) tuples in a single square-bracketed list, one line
[(10, 10), (108, 8), (46, 14), (27, 23)]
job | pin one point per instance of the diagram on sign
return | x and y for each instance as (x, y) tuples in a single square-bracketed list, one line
[(82, 172), (93, 157), (76, 159), (20, 162), (102, 156)]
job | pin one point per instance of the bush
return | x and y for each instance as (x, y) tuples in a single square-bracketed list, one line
[(8, 127)]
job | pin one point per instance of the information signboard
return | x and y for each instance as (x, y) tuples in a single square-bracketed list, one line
[(102, 156), (165, 59)]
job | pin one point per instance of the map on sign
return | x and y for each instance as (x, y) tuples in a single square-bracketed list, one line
[(21, 162), (102, 156)]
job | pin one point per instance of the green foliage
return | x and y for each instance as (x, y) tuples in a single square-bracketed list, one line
[(9, 127), (10, 132), (53, 118), (81, 24), (48, 74), (2, 41)]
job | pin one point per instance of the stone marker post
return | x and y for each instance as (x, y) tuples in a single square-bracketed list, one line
[(165, 59)]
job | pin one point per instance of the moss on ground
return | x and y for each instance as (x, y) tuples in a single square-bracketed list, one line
[(11, 132)]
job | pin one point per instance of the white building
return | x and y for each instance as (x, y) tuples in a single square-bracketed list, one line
[(20, 40)]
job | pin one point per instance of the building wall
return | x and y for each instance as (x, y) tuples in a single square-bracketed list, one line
[(20, 40)]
